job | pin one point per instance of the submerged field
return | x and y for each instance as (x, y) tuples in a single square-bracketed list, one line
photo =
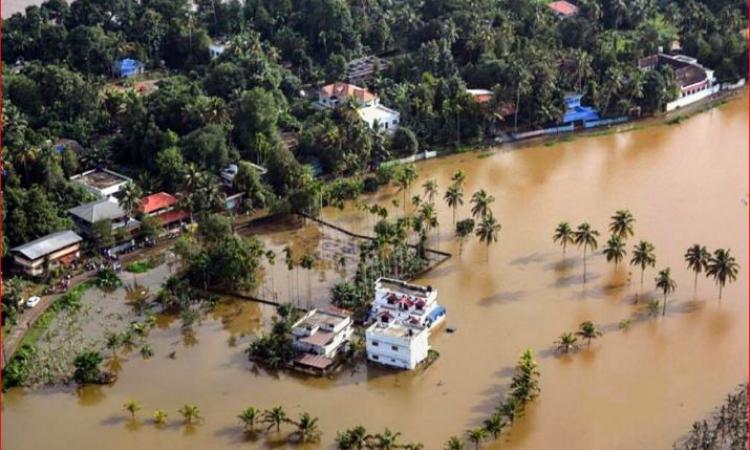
[(637, 388)]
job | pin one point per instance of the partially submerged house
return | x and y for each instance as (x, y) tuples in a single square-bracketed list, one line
[(696, 82), (403, 315), (37, 257), (104, 183), (319, 337)]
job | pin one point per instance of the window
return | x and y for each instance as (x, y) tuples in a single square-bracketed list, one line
[(394, 348), (375, 357), (375, 343)]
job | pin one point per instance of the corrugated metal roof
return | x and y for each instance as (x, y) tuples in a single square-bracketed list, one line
[(47, 244), (98, 210)]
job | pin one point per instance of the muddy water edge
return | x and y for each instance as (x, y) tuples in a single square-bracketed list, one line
[(636, 388)]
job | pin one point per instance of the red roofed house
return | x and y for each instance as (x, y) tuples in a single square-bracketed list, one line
[(331, 95), (163, 206), (563, 8)]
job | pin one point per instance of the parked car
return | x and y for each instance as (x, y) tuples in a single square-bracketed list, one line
[(33, 301)]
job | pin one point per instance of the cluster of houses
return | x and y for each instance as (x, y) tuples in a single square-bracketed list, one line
[(63, 248), (401, 318)]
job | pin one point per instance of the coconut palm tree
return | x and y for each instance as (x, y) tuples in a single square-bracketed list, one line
[(112, 342), (564, 235), (248, 417), (454, 443), (481, 201), (430, 188), (697, 257), (131, 198), (274, 417), (454, 197), (132, 407), (615, 249), (192, 177), (413, 446), (666, 284), (387, 440), (458, 178), (622, 224), (271, 258), (476, 436), (585, 237), (723, 267), (160, 417), (353, 439), (643, 256), (566, 343), (189, 413), (494, 425), (307, 262), (429, 218), (587, 330), (405, 178), (289, 260), (488, 231), (307, 428)]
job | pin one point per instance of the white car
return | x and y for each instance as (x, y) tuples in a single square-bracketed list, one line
[(32, 301)]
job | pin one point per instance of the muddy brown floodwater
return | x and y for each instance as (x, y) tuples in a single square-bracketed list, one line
[(635, 389)]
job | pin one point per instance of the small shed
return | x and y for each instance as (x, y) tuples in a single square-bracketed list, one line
[(128, 67), (576, 113)]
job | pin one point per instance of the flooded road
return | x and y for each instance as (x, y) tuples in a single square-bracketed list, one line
[(638, 388)]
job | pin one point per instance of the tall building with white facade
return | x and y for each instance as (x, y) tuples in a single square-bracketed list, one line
[(407, 301)]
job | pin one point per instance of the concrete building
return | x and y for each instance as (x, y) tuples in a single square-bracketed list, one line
[(35, 258), (387, 119), (215, 49), (333, 95), (86, 215), (406, 301), (104, 183), (696, 82), (319, 337), (398, 344)]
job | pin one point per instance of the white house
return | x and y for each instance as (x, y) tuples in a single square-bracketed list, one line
[(215, 49), (696, 82), (318, 337), (386, 118), (398, 344), (406, 301), (105, 183)]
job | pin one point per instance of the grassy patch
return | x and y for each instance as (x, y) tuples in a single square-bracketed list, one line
[(143, 266)]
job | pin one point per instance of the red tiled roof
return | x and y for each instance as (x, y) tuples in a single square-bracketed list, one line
[(347, 90), (564, 8), (172, 216), (155, 202)]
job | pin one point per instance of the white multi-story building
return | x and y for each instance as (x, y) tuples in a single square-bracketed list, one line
[(322, 333), (400, 344), (368, 105), (406, 301)]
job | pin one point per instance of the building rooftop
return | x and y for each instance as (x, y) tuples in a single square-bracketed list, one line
[(402, 287), (319, 318), (563, 8), (377, 112), (98, 210), (100, 178), (400, 330), (344, 90), (48, 244), (319, 362), (687, 70), (321, 338), (155, 202)]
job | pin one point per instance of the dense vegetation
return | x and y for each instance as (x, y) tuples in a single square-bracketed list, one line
[(241, 105)]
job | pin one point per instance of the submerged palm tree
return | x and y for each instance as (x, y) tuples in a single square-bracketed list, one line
[(585, 237), (622, 224), (723, 267), (476, 436), (458, 178), (481, 201), (248, 417), (387, 440), (615, 249), (160, 417), (307, 428), (697, 257), (564, 235), (190, 413), (488, 231), (454, 197), (132, 407), (566, 343), (274, 417), (494, 425), (404, 179), (643, 256), (587, 330), (666, 284), (353, 439), (454, 443)]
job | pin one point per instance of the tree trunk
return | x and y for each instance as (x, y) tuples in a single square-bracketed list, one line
[(584, 266), (695, 284), (664, 308)]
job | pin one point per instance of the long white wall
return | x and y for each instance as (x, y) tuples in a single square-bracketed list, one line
[(692, 98)]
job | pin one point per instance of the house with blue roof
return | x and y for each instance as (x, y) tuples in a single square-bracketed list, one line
[(575, 113), (128, 67)]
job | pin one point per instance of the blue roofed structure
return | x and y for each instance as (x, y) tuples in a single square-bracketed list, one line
[(128, 67), (575, 112)]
